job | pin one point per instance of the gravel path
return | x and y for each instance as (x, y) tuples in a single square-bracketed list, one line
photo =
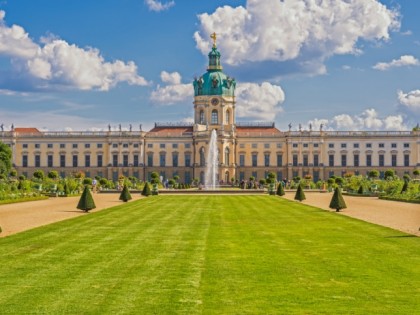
[(18, 217)]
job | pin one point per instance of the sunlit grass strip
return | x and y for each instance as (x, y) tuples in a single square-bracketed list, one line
[(22, 199), (210, 255)]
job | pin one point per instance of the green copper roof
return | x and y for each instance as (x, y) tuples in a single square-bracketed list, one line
[(214, 81)]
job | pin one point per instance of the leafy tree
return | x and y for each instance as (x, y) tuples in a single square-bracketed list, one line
[(337, 201), (87, 181), (66, 189), (13, 173), (146, 190), (373, 174), (300, 195), (86, 202), (280, 190), (416, 173), (5, 159), (155, 178), (406, 177), (39, 174), (389, 174), (262, 181), (125, 194), (339, 181), (53, 174)]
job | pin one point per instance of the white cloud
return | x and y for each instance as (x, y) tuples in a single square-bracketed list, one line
[(59, 64), (405, 60), (158, 6), (410, 100), (259, 101), (305, 31), (369, 119), (173, 92)]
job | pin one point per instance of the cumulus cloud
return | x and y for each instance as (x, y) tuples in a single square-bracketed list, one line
[(158, 6), (259, 101), (57, 63), (306, 32), (405, 60), (369, 119), (410, 100), (173, 92)]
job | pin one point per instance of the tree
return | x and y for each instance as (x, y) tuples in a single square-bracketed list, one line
[(280, 190), (389, 174), (5, 159), (300, 195), (337, 201), (53, 174), (416, 173), (339, 181), (66, 189), (125, 194), (39, 174), (146, 190), (86, 202), (373, 174), (155, 177)]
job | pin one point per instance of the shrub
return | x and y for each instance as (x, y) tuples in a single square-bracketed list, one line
[(39, 174), (125, 194), (280, 190), (53, 174), (360, 191), (300, 195), (146, 190), (87, 181), (86, 202), (337, 201)]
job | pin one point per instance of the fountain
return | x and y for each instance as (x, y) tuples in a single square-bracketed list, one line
[(212, 163)]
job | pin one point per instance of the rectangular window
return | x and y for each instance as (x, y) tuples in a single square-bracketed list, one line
[(187, 177), (242, 145), (406, 160), (175, 160), (49, 145), (368, 145), (241, 176), (394, 160), (355, 145), (135, 160), (242, 160), (25, 146), (75, 161), (24, 161), (125, 145), (87, 145), (406, 145), (162, 159), (305, 160), (266, 146), (279, 160), (254, 160), (162, 145), (115, 145), (62, 160), (316, 145), (254, 145), (37, 160), (150, 145), (187, 159), (125, 160), (382, 145), (368, 160), (50, 160), (62, 145), (99, 145), (331, 160), (279, 145), (393, 145), (295, 160), (356, 160), (316, 160), (115, 160), (87, 160), (175, 145), (187, 145), (135, 145), (267, 159), (381, 160), (295, 145), (100, 160), (150, 159), (305, 145), (343, 160), (331, 145), (74, 146), (344, 145)]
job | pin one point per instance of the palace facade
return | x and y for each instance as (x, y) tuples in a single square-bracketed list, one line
[(245, 149)]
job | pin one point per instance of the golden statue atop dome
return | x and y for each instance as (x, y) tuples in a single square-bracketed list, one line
[(213, 37)]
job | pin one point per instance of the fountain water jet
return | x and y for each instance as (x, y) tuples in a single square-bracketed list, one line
[(212, 163)]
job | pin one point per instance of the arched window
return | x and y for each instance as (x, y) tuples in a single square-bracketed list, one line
[(227, 155), (214, 117), (201, 117), (202, 157), (227, 117)]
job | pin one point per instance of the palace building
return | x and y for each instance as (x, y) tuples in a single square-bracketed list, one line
[(245, 149)]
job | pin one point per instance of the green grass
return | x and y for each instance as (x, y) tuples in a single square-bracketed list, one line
[(210, 255)]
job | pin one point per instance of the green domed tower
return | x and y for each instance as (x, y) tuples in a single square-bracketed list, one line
[(214, 95)]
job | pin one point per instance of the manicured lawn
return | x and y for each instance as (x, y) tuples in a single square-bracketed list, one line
[(210, 255)]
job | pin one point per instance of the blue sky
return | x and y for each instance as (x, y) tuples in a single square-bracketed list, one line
[(81, 65)]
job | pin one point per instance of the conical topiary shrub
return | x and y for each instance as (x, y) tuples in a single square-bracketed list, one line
[(405, 187), (146, 190), (360, 191), (280, 190), (300, 195), (86, 202), (125, 194), (337, 201), (66, 189)]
